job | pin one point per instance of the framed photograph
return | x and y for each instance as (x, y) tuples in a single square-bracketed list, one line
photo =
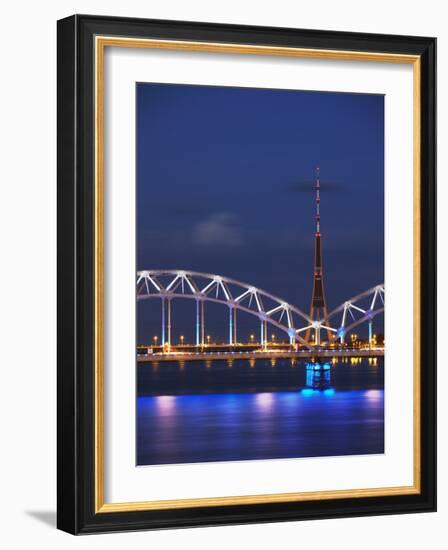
[(246, 274)]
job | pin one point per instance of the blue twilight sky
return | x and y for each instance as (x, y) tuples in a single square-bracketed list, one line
[(225, 185)]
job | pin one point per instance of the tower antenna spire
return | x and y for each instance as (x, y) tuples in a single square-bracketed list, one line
[(318, 309), (317, 200)]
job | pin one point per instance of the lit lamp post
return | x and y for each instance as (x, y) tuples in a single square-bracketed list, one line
[(155, 338), (182, 340), (252, 338), (208, 339)]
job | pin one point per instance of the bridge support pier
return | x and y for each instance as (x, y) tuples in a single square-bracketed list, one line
[(370, 332), (198, 325), (230, 325), (234, 326), (317, 336), (169, 325), (202, 324), (263, 333), (163, 322)]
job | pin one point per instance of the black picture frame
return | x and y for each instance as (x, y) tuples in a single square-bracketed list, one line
[(76, 255)]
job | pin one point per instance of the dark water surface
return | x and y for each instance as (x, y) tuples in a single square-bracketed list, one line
[(198, 412)]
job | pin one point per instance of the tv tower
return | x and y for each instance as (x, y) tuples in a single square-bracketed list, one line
[(318, 310)]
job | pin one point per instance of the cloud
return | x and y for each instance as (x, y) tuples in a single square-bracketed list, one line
[(188, 211), (219, 229)]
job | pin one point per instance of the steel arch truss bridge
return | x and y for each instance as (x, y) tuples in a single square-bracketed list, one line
[(360, 309), (168, 285)]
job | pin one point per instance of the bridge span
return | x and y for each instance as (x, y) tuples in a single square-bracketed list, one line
[(261, 354), (170, 285)]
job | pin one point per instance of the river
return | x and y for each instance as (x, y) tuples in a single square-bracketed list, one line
[(247, 410)]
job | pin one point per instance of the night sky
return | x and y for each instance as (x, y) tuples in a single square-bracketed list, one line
[(225, 182)]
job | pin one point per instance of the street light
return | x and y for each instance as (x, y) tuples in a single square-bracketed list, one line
[(208, 339), (252, 338), (155, 338), (182, 339)]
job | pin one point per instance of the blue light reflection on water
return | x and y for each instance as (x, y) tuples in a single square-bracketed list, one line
[(263, 425)]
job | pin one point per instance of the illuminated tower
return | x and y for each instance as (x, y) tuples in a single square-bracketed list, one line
[(318, 310)]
